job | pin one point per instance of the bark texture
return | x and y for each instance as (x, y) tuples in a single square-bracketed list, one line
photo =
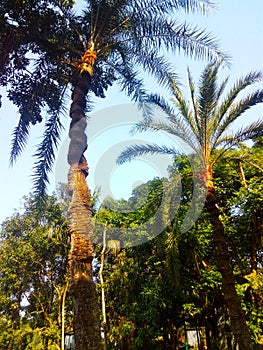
[(233, 302), (86, 320)]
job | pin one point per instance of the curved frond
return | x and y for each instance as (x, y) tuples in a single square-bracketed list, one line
[(19, 140), (179, 37), (133, 87), (243, 134), (235, 112), (185, 111), (167, 6), (240, 85), (195, 122), (181, 131), (45, 155), (138, 150), (249, 132)]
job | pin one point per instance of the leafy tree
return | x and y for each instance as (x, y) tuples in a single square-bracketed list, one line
[(154, 288), (33, 267), (204, 125), (241, 198), (111, 41)]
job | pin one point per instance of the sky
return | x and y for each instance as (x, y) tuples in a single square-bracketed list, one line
[(237, 25)]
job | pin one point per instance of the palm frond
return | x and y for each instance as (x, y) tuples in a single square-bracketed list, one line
[(133, 87), (168, 6), (243, 134), (184, 109), (156, 66), (19, 140), (235, 112), (192, 41), (179, 129), (250, 132), (196, 122), (45, 155), (207, 99), (158, 101), (239, 86), (138, 150)]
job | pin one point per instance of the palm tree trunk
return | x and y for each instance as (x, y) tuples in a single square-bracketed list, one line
[(233, 302), (86, 321)]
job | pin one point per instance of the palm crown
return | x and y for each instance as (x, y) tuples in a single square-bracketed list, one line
[(51, 43), (203, 123)]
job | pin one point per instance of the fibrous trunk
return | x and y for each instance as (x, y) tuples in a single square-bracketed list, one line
[(233, 302), (86, 322)]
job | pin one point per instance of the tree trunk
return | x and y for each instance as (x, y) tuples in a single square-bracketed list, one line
[(86, 320), (233, 302)]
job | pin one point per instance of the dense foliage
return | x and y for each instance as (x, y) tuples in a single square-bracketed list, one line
[(156, 293), (33, 270)]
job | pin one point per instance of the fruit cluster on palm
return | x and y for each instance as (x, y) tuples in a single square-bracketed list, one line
[(204, 124)]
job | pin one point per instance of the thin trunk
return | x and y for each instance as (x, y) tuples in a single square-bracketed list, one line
[(103, 304), (63, 315), (236, 314), (86, 321)]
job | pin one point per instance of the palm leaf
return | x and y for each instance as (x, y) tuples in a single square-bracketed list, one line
[(138, 150), (179, 129), (235, 112), (185, 112), (243, 134), (195, 121), (240, 85), (45, 155), (19, 140)]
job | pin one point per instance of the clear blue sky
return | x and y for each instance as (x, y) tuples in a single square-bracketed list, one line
[(239, 28)]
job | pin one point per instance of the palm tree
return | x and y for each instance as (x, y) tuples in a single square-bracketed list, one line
[(203, 123), (53, 50)]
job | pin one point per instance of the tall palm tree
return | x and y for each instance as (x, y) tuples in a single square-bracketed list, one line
[(203, 123), (54, 49)]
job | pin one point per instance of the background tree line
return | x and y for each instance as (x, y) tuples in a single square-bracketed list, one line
[(155, 293)]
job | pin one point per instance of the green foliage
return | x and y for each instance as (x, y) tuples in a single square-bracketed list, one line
[(153, 290), (33, 261), (42, 42)]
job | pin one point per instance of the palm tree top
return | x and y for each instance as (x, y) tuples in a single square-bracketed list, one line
[(203, 122), (121, 39)]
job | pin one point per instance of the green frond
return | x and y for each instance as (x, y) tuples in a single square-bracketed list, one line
[(207, 99), (240, 85), (19, 139), (45, 155), (195, 122), (138, 150), (235, 111), (243, 134), (156, 66), (133, 87), (193, 42), (168, 6), (184, 109), (249, 132), (179, 129), (221, 88), (157, 101)]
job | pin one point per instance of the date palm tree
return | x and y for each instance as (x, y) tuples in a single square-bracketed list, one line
[(55, 50), (203, 123)]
